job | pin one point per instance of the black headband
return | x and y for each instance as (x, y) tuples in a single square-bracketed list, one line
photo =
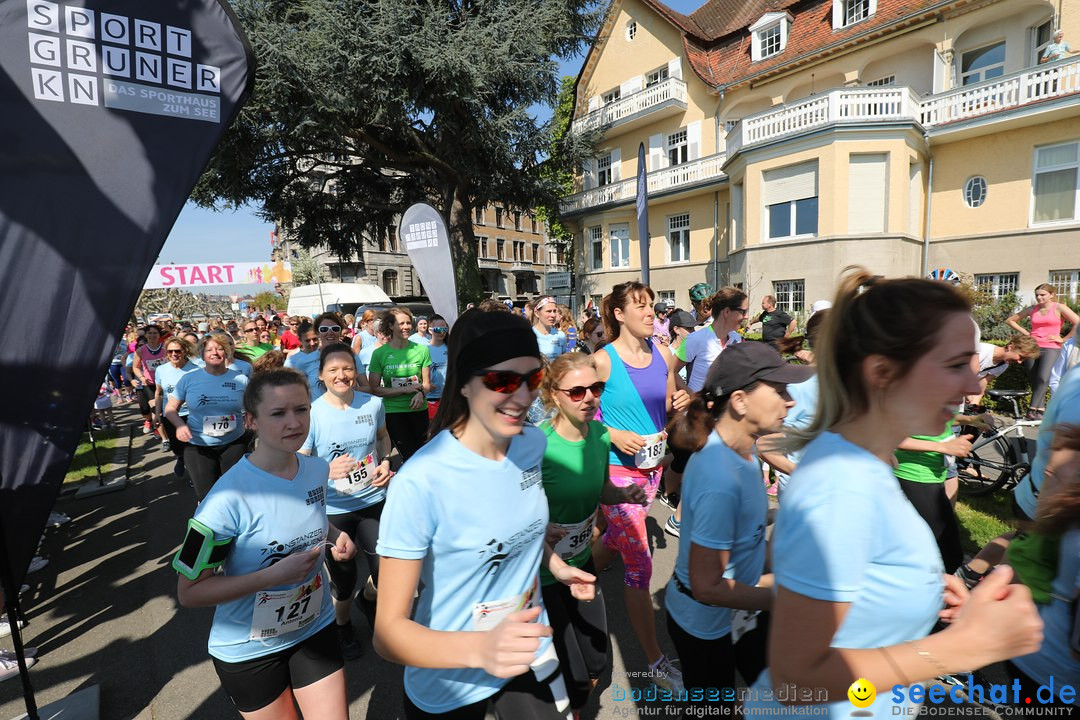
[(496, 346)]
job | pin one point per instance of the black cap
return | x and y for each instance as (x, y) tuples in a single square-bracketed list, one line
[(660, 307), (681, 318), (482, 339), (743, 364)]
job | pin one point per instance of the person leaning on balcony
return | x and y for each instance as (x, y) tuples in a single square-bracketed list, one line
[(1057, 50)]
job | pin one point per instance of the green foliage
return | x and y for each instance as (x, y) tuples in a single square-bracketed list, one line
[(267, 299), (306, 270), (559, 169), (363, 108), (991, 314)]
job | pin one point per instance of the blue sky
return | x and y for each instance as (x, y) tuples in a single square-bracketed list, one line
[(239, 236)]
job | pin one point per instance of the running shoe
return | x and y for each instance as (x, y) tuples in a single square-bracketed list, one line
[(56, 519), (179, 469), (5, 627), (671, 527), (36, 564), (146, 427), (350, 646), (669, 499), (666, 676), (165, 446), (9, 668), (771, 490)]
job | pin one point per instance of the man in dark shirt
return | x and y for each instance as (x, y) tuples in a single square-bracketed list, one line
[(775, 324)]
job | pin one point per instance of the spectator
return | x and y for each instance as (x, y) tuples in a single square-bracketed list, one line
[(775, 324)]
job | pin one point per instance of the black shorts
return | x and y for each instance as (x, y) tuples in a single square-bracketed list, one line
[(580, 633), (523, 698), (254, 684)]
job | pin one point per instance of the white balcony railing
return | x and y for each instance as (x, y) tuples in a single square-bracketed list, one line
[(671, 89), (670, 178)]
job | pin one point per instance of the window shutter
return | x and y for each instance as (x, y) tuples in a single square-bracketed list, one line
[(631, 86), (657, 158), (866, 193), (693, 140), (794, 182), (589, 180), (616, 165), (915, 192), (674, 68), (594, 103)]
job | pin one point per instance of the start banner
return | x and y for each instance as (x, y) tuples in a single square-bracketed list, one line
[(209, 274)]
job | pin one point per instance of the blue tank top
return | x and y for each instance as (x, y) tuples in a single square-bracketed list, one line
[(635, 399)]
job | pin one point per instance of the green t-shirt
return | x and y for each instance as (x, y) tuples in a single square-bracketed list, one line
[(400, 368), (574, 474), (255, 351), (923, 467)]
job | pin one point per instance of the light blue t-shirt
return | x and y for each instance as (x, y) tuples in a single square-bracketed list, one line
[(478, 526), (1064, 408), (846, 533), (552, 344), (1054, 659), (724, 507), (439, 355), (418, 338), (167, 376), (799, 417), (364, 356), (351, 431), (215, 405), (268, 518), (237, 364), (367, 340), (308, 364)]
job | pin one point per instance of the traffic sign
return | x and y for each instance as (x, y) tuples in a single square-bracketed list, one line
[(556, 280)]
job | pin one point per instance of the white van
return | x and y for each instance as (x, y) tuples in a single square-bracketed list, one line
[(343, 298)]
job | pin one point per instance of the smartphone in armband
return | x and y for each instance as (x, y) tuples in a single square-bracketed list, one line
[(200, 551)]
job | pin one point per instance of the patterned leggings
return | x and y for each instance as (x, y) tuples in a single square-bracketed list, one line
[(625, 532)]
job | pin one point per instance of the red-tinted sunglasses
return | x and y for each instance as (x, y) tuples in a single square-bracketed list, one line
[(508, 381), (577, 393)]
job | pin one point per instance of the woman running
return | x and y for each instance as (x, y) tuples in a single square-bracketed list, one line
[(1047, 317), (400, 373), (147, 358), (365, 335), (439, 353), (265, 524), (179, 352), (421, 336), (545, 319), (718, 598), (634, 408), (858, 576), (464, 523), (213, 429), (348, 429)]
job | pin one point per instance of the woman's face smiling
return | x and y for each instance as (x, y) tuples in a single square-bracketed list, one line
[(213, 354), (338, 373), (502, 415), (1044, 297)]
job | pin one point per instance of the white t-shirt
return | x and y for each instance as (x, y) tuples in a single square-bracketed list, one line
[(987, 367), (701, 347)]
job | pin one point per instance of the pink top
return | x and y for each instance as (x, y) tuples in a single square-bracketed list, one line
[(1044, 325), (151, 360)]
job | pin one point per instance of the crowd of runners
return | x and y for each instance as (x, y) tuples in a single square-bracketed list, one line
[(487, 472)]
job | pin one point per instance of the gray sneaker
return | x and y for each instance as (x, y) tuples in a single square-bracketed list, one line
[(666, 676), (9, 667)]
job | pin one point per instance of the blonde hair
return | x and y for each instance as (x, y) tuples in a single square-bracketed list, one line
[(223, 339), (559, 368), (186, 346)]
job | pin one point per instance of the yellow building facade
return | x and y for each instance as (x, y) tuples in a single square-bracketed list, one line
[(785, 141)]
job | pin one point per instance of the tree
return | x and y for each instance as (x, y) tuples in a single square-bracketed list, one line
[(181, 304), (306, 270), (363, 108), (559, 169)]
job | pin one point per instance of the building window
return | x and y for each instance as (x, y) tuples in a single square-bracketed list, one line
[(998, 285), (596, 242), (603, 171), (679, 238), (768, 36), (677, 148), (882, 82), (666, 296), (631, 30), (1042, 36), (500, 249), (536, 253), (790, 295), (535, 230), (982, 63), (656, 77), (390, 282), (975, 191), (849, 12), (1067, 283), (479, 212), (517, 221), (791, 201), (1054, 186), (498, 217), (519, 251), (770, 41), (482, 247), (620, 245), (611, 96)]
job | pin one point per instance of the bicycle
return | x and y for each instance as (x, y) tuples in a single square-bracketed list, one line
[(1000, 458)]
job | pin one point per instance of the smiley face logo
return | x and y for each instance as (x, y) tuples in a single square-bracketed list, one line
[(862, 693)]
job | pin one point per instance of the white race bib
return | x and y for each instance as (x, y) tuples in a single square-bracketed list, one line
[(156, 363), (405, 382), (218, 425), (650, 456), (742, 622), (577, 539), (278, 612), (489, 614), (359, 479)]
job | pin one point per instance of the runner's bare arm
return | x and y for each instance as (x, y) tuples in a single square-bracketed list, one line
[(210, 589), (709, 585)]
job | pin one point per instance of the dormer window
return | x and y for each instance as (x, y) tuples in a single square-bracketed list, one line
[(769, 35), (849, 12)]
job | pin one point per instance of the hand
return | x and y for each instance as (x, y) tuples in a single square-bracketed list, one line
[(957, 447), (806, 356), (634, 494), (680, 400), (582, 584), (956, 594), (509, 647), (416, 402), (294, 569), (383, 473), (626, 441), (341, 466), (344, 548), (183, 432), (999, 621), (554, 534)]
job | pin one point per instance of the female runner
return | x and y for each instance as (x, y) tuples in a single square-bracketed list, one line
[(400, 373), (147, 358), (464, 522), (265, 522), (179, 352), (348, 429), (545, 319)]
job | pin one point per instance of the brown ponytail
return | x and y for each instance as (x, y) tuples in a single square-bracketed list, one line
[(620, 296)]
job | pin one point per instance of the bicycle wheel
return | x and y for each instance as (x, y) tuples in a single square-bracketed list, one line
[(986, 469)]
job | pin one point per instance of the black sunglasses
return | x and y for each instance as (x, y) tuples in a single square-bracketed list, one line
[(508, 381), (439, 330), (577, 393), (329, 328)]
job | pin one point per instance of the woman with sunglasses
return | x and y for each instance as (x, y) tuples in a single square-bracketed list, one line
[(575, 473), (545, 319), (214, 428), (400, 373), (592, 335), (439, 353), (464, 522), (179, 352), (639, 394)]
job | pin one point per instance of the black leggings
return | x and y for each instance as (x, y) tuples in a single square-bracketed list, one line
[(580, 635), (206, 463), (932, 503), (408, 431), (175, 445), (708, 664), (145, 396), (1039, 374), (363, 527), (523, 698)]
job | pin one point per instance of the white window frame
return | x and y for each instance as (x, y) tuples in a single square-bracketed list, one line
[(969, 187), (998, 284), (677, 147), (657, 76), (843, 14), (790, 295), (678, 238), (603, 170), (765, 26), (766, 221), (478, 214), (482, 246), (666, 296), (500, 248), (1067, 283), (981, 72), (887, 81), (1037, 48), (1036, 171), (620, 244), (611, 96), (596, 247), (631, 29)]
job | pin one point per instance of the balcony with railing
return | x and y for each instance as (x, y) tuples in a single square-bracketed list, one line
[(522, 266), (667, 179), (489, 263), (654, 102)]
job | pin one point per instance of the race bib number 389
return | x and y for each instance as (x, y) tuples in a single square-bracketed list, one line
[(278, 612)]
